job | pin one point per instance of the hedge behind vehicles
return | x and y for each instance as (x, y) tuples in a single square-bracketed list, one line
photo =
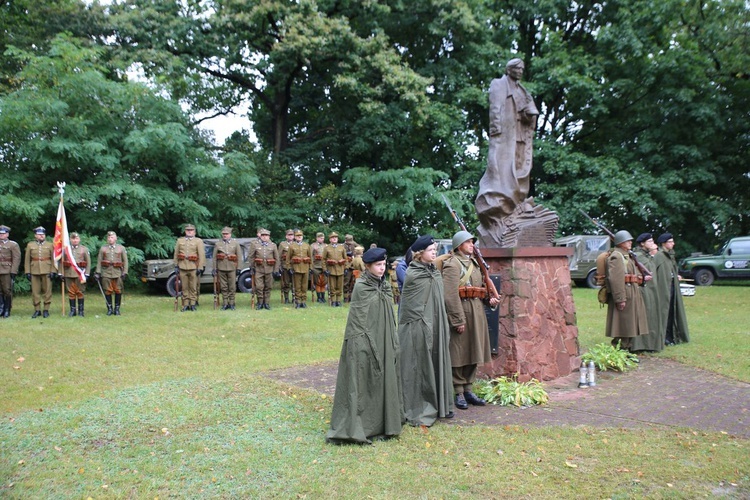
[(730, 263), (582, 263), (161, 273)]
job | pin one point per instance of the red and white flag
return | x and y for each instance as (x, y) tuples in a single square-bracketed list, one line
[(61, 244)]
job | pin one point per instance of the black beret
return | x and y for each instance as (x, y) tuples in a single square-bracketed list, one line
[(422, 243), (643, 237), (374, 255), (664, 238)]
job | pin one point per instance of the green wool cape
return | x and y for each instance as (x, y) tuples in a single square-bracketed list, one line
[(672, 304), (424, 336), (654, 341), (368, 401)]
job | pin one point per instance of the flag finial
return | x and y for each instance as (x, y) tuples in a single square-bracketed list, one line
[(61, 187)]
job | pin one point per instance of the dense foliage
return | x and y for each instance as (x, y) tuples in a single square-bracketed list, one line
[(364, 110)]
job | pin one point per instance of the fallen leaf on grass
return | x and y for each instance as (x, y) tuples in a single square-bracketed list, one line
[(16, 367), (21, 359), (572, 466), (534, 473)]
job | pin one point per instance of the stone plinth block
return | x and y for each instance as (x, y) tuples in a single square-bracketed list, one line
[(538, 335)]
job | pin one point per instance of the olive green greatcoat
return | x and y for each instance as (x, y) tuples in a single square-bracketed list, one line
[(368, 399), (473, 346), (424, 335), (631, 321), (669, 287), (654, 341)]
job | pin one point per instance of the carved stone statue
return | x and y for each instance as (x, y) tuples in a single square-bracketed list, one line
[(502, 203)]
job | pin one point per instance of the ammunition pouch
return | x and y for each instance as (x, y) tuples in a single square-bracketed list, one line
[(472, 292)]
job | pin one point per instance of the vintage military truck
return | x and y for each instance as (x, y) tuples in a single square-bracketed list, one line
[(732, 262), (582, 263), (160, 273)]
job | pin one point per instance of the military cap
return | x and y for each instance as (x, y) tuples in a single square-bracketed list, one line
[(226, 229), (290, 231), (349, 237), (374, 255), (320, 235), (4, 229), (75, 235), (333, 234), (189, 227), (299, 232), (663, 238), (422, 243), (40, 230), (111, 233), (643, 237), (265, 231)]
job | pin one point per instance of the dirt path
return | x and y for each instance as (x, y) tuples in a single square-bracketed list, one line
[(659, 393)]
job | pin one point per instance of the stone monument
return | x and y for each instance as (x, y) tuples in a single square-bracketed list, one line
[(537, 334)]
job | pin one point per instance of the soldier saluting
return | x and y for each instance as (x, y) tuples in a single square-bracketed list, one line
[(190, 260), (73, 285), (40, 268), (10, 260), (111, 271), (227, 257)]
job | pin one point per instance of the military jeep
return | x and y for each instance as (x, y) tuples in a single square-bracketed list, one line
[(582, 263), (161, 273)]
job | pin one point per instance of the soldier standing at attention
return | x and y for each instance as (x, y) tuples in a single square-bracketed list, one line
[(227, 257), (190, 260), (334, 262), (286, 276), (465, 294), (298, 260), (10, 261), (349, 278), (626, 312), (74, 287), (40, 268), (318, 275), (264, 265), (111, 271)]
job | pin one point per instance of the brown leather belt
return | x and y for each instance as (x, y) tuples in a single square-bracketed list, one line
[(82, 265), (223, 256), (633, 278), (39, 258), (472, 292)]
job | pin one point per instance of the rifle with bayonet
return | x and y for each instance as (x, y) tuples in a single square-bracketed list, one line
[(641, 267), (483, 266)]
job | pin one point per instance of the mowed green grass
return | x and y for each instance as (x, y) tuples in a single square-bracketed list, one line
[(156, 403)]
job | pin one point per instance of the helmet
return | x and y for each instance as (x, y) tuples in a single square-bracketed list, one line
[(622, 237), (461, 237)]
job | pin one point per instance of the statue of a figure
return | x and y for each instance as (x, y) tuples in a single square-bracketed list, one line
[(513, 115), (507, 216)]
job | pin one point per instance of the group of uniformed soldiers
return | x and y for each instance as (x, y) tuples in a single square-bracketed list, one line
[(41, 268), (333, 267)]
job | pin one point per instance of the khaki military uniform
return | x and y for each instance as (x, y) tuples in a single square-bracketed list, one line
[(349, 277), (334, 263), (10, 261), (74, 287), (227, 259), (298, 260), (39, 262), (264, 261), (111, 266), (318, 275), (189, 257), (286, 277)]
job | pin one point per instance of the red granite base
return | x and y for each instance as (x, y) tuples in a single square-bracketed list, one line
[(538, 334)]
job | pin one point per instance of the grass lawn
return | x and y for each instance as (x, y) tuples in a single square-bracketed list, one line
[(156, 404)]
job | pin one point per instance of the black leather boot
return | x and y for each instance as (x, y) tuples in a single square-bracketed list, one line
[(108, 298), (72, 307), (80, 307), (118, 299)]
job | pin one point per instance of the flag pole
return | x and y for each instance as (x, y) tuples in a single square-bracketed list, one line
[(61, 189)]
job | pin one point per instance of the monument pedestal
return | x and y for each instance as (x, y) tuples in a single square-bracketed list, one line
[(538, 334)]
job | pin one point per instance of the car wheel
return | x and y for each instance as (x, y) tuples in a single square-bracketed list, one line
[(591, 279), (704, 277), (245, 282), (172, 285)]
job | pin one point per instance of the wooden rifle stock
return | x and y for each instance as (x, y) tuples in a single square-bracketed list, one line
[(483, 266)]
